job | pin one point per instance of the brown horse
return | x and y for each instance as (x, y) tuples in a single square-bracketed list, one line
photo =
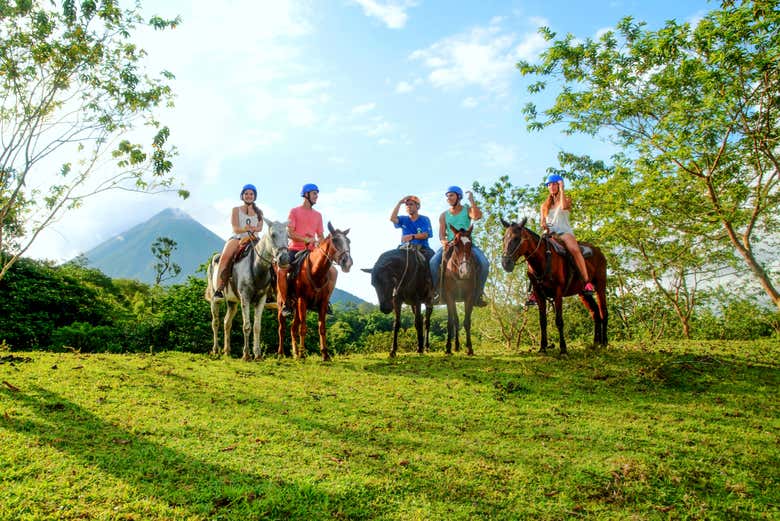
[(459, 284), (553, 276), (313, 286)]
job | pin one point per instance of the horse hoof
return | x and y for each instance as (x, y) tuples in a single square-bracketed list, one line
[(392, 354)]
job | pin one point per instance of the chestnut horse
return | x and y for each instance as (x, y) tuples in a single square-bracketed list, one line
[(313, 286), (553, 276), (459, 284)]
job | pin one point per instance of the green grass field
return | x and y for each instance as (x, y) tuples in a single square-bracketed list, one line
[(672, 431)]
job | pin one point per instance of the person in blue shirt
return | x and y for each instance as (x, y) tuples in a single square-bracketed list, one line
[(415, 228)]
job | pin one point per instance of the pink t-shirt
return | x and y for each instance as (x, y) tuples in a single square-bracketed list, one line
[(307, 222)]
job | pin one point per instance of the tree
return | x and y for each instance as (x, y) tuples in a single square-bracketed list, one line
[(695, 112), (164, 268), (72, 88)]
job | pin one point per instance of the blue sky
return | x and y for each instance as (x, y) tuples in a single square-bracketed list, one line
[(370, 99)]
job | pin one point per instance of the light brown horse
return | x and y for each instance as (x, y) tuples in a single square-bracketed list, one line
[(459, 284), (553, 277), (313, 286)]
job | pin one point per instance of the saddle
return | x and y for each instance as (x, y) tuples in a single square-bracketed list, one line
[(560, 249), (416, 248)]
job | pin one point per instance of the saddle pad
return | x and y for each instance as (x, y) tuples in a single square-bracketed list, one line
[(560, 249)]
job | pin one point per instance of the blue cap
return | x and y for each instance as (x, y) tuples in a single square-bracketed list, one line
[(455, 190), (554, 178), (248, 187), (309, 187)]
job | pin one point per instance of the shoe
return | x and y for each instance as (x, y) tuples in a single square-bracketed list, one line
[(531, 300), (218, 294), (286, 311), (481, 302), (435, 299), (329, 310), (588, 289)]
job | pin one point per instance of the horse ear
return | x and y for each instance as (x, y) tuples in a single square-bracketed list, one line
[(522, 223), (468, 232), (367, 270), (346, 231), (454, 230), (330, 227), (268, 222), (506, 224)]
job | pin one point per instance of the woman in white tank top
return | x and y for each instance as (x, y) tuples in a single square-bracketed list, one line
[(555, 220), (244, 219)]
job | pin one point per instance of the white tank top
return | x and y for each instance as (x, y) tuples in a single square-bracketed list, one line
[(558, 221), (242, 219)]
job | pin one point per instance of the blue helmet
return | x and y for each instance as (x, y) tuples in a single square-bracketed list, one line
[(309, 187), (554, 178), (455, 190), (248, 187)]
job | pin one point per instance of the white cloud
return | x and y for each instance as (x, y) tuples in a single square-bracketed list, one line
[(469, 103), (392, 13), (483, 56), (497, 155), (403, 87), (362, 109)]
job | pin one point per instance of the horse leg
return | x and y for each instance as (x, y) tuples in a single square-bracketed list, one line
[(602, 295), (559, 320), (322, 330), (451, 310), (215, 326), (418, 325), (246, 325), (230, 312), (282, 326), (427, 324), (590, 305), (257, 327), (542, 305), (299, 327), (396, 326), (468, 306)]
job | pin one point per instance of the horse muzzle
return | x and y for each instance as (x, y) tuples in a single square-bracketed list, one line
[(507, 263), (345, 262), (283, 258)]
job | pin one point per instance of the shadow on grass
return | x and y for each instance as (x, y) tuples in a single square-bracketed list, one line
[(174, 478)]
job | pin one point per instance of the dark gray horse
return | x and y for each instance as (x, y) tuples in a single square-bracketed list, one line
[(251, 283), (402, 276)]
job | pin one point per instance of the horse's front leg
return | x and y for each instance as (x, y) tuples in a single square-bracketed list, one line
[(468, 306), (230, 313), (246, 325), (418, 325), (396, 325), (322, 330), (298, 332), (542, 305), (427, 324), (558, 301), (215, 326), (257, 326)]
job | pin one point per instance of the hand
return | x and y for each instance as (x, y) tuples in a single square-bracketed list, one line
[(444, 242), (406, 238), (402, 201), (470, 196)]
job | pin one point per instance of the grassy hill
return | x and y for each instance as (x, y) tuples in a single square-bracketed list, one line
[(674, 431), (129, 256)]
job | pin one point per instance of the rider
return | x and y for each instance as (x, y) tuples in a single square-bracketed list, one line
[(415, 228), (304, 229), (555, 221), (246, 219), (460, 216)]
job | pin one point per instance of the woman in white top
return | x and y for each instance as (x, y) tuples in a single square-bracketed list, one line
[(245, 219), (555, 220)]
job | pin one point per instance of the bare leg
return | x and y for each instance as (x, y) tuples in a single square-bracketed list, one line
[(225, 258), (574, 248)]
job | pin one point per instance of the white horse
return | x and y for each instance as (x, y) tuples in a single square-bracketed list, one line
[(251, 283)]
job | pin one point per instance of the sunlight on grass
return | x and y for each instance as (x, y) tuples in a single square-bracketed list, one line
[(680, 430)]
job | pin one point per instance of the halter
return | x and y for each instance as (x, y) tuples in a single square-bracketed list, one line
[(525, 257), (331, 260)]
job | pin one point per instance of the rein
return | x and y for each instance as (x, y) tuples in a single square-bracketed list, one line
[(330, 261)]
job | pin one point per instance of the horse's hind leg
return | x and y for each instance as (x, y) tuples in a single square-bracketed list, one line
[(427, 325), (593, 309), (559, 322), (246, 326), (418, 326), (258, 354)]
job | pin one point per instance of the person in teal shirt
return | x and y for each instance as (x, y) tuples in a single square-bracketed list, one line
[(460, 216)]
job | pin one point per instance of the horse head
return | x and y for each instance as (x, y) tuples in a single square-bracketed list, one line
[(275, 242), (460, 257), (340, 244), (513, 243)]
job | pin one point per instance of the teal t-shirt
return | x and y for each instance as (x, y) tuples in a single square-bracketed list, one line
[(458, 221)]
